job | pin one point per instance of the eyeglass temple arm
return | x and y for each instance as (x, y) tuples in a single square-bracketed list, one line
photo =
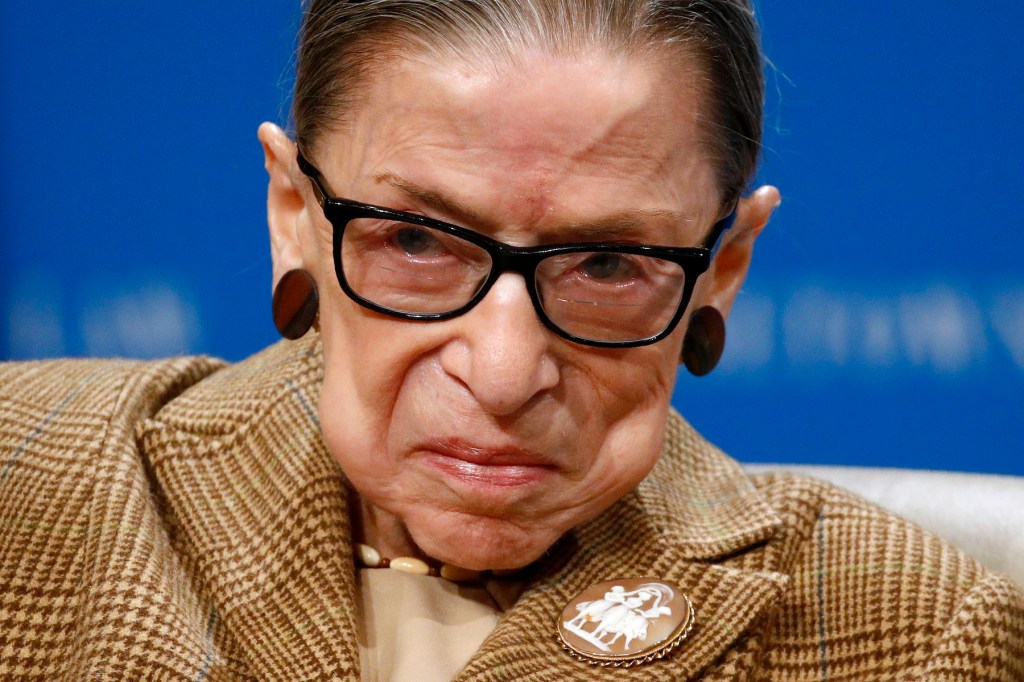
[(309, 170), (713, 241)]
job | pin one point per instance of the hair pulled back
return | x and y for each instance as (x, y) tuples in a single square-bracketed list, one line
[(343, 41)]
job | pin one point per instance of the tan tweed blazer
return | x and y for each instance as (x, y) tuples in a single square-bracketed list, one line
[(182, 520)]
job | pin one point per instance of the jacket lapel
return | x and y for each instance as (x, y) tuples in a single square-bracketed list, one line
[(695, 508), (260, 510)]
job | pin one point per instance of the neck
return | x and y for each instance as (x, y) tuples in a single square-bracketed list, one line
[(382, 530)]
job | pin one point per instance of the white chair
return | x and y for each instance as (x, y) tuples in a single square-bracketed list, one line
[(982, 514)]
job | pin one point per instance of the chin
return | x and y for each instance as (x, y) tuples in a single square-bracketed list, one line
[(481, 543)]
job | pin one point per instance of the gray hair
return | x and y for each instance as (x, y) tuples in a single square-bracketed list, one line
[(342, 41)]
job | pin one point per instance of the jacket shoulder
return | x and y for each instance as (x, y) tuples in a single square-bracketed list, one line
[(54, 411), (238, 396), (872, 581), (864, 537), (82, 538)]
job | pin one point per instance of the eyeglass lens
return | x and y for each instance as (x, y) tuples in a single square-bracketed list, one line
[(595, 295)]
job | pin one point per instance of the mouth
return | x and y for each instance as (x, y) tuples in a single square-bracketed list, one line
[(487, 466)]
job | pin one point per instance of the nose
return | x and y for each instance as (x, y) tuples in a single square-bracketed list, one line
[(502, 352)]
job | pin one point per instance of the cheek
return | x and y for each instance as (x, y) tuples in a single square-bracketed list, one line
[(367, 362), (380, 374), (630, 401), (632, 444), (626, 386)]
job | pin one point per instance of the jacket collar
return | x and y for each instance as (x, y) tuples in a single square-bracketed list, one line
[(259, 508)]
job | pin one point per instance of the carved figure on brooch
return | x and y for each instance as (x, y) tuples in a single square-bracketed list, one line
[(619, 615)]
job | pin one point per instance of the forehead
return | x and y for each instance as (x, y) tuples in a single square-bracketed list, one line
[(550, 138)]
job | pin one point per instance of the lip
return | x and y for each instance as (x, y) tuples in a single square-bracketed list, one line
[(488, 466)]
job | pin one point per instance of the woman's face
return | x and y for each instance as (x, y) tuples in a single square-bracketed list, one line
[(484, 438)]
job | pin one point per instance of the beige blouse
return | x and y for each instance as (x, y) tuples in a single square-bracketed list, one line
[(425, 629)]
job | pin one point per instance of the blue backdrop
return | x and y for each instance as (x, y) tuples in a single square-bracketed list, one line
[(883, 322)]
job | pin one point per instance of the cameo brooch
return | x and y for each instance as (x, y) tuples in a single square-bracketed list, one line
[(622, 623)]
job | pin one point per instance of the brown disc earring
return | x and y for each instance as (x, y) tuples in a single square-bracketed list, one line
[(704, 341), (296, 304)]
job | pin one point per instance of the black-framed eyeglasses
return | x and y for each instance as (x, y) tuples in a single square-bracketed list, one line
[(594, 293)]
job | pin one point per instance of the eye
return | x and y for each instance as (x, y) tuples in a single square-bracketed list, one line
[(607, 266), (416, 241)]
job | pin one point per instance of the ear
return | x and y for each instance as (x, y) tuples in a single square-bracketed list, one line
[(284, 202), (729, 269)]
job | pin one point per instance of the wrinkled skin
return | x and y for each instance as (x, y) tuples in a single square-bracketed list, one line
[(482, 439)]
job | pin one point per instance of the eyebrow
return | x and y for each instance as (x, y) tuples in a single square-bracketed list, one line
[(633, 223), (436, 200), (627, 224)]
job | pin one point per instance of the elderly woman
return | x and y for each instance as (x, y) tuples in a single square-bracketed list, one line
[(499, 228)]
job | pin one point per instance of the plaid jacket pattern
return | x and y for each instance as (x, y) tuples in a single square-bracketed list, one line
[(182, 520)]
